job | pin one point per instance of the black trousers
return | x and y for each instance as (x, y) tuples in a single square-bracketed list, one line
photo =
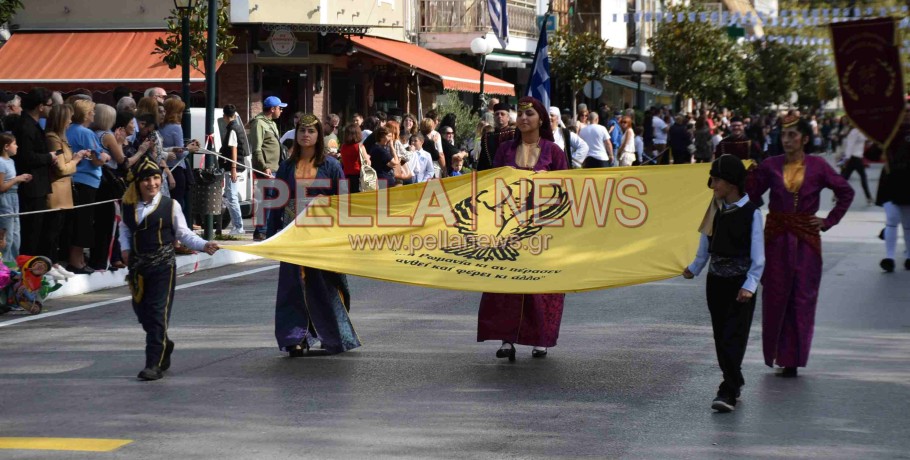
[(591, 162), (101, 249), (31, 226), (731, 321), (153, 296), (856, 164)]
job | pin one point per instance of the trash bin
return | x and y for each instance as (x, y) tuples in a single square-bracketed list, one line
[(207, 191)]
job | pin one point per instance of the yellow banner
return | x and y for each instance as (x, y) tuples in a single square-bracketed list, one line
[(506, 230)]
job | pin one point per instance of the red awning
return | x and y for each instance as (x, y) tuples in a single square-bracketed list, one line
[(453, 74), (86, 59)]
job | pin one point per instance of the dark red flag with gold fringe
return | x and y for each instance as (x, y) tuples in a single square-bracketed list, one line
[(869, 71)]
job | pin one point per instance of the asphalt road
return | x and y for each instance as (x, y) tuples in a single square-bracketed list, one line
[(633, 375)]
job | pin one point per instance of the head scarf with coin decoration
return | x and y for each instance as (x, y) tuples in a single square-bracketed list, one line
[(528, 102), (141, 170), (801, 125)]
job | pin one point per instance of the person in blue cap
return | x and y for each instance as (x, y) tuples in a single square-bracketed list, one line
[(266, 146)]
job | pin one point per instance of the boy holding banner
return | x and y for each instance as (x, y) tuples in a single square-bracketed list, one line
[(734, 242)]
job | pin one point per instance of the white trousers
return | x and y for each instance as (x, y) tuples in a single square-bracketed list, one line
[(896, 214)]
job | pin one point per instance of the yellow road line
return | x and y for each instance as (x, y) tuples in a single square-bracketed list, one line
[(70, 444)]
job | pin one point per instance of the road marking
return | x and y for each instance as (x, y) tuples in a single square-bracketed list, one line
[(126, 298), (69, 444)]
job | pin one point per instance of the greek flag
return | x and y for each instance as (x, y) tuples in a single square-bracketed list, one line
[(539, 84), (499, 18)]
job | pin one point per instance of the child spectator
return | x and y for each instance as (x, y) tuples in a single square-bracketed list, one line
[(734, 241), (9, 198), (458, 167)]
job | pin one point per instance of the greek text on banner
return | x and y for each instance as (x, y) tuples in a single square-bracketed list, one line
[(506, 230)]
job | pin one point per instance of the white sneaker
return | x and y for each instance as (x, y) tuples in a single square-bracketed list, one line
[(237, 232), (63, 271)]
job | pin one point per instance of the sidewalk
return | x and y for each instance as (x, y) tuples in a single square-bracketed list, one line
[(186, 265)]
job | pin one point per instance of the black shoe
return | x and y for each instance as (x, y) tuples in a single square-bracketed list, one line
[(881, 235), (906, 264), (506, 353), (538, 353), (150, 373), (257, 236), (295, 351), (888, 265), (85, 270), (788, 372), (168, 349), (724, 403)]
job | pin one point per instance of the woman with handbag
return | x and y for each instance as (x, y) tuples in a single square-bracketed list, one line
[(403, 174), (353, 156), (312, 305), (112, 186)]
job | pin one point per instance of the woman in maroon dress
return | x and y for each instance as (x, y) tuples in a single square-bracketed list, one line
[(525, 319), (793, 247)]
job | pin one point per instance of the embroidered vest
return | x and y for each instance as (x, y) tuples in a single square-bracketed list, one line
[(155, 230)]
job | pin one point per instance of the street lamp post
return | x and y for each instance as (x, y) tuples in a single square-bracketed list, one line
[(481, 47), (184, 7), (639, 68)]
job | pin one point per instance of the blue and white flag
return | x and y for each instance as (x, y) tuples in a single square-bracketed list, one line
[(539, 84), (499, 19)]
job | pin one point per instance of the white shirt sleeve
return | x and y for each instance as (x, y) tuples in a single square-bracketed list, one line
[(757, 254), (186, 236), (232, 139), (701, 256), (579, 149)]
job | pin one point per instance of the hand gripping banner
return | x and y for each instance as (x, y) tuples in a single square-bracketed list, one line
[(868, 64), (505, 230)]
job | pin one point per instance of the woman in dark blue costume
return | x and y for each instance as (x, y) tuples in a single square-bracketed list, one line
[(312, 305)]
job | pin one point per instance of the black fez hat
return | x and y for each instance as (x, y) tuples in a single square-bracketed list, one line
[(729, 168), (502, 106)]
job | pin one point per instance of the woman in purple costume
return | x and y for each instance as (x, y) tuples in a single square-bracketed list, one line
[(525, 319), (793, 249)]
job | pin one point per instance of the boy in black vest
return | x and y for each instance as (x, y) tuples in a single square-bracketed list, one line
[(735, 245), (151, 224)]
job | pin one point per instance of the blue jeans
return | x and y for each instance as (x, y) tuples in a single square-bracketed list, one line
[(9, 204), (232, 199)]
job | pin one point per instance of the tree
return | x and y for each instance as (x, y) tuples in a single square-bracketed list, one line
[(465, 118), (698, 59), (769, 68), (577, 58), (8, 9), (170, 46), (816, 82)]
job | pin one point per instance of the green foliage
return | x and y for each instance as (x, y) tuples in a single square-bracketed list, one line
[(698, 59), (465, 120), (8, 8), (769, 69), (579, 58), (170, 46), (816, 82)]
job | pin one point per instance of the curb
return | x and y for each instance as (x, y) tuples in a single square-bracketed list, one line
[(186, 265)]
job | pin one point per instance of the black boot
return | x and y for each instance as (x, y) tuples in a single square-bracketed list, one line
[(888, 265), (150, 373)]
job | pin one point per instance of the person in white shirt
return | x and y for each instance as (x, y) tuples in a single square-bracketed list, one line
[(854, 147), (576, 149), (289, 134), (639, 145), (151, 224), (423, 165), (600, 147), (660, 129)]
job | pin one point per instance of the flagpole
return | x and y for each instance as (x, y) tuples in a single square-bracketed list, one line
[(543, 27)]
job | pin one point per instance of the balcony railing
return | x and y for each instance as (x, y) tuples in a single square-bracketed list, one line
[(469, 16)]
